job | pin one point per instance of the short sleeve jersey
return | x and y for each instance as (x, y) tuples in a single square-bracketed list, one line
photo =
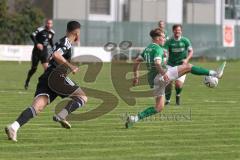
[(43, 36), (178, 50), (149, 55), (65, 48)]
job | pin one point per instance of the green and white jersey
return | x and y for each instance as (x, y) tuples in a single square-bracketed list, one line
[(177, 50), (149, 55)]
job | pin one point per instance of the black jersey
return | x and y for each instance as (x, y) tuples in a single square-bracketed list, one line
[(43, 36), (65, 48)]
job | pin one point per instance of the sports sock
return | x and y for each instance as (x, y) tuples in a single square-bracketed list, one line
[(199, 71), (30, 74), (15, 125), (26, 115), (168, 92), (147, 112), (70, 107), (178, 91), (168, 95)]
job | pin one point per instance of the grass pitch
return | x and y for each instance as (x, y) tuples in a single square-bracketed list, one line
[(205, 126)]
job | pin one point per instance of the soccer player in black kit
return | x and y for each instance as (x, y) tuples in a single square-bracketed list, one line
[(54, 82), (43, 44)]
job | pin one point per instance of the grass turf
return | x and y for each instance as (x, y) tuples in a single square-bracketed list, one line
[(205, 126)]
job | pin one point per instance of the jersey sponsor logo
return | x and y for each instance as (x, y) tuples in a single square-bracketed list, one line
[(178, 49), (148, 50)]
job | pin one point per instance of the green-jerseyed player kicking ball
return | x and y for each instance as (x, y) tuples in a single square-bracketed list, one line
[(159, 76)]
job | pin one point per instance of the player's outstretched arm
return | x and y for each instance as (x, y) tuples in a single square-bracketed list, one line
[(136, 67), (160, 69), (57, 56), (190, 54)]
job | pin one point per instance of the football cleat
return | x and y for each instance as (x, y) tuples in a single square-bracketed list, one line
[(11, 133), (220, 70), (64, 123), (167, 102), (26, 86), (129, 122)]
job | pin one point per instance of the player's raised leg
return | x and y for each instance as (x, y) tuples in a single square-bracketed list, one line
[(78, 100), (152, 110), (196, 70)]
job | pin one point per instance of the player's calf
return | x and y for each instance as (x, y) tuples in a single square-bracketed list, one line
[(73, 105)]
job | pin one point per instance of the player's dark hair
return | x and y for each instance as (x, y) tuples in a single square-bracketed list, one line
[(155, 33), (176, 25), (72, 25)]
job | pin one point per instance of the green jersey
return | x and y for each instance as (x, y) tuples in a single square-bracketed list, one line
[(150, 54), (177, 49)]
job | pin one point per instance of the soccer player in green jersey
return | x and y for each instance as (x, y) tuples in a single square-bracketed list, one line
[(159, 76), (179, 52)]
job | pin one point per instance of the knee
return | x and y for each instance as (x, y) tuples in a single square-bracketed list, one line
[(178, 84), (188, 66), (38, 110), (159, 107), (84, 98)]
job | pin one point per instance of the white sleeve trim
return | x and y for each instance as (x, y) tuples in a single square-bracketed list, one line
[(157, 58), (190, 48), (60, 50)]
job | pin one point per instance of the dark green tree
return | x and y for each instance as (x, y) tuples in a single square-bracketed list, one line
[(16, 27)]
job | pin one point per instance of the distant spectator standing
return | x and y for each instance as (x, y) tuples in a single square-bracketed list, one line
[(161, 25)]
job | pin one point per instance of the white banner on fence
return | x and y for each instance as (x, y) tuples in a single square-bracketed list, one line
[(15, 52), (80, 54), (228, 35)]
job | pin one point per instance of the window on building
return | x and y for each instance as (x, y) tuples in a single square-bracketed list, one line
[(232, 9), (100, 7)]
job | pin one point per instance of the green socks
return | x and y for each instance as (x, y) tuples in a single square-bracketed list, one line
[(147, 112), (178, 91), (199, 71), (168, 96)]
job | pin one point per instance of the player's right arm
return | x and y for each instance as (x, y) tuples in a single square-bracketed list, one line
[(57, 56), (34, 39), (158, 64), (136, 67), (159, 54)]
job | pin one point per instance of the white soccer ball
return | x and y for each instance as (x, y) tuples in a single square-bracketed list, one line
[(210, 81)]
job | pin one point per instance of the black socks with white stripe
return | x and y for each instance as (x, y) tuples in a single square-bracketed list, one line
[(26, 115), (70, 107)]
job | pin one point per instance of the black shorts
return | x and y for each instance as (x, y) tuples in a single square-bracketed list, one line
[(40, 55), (53, 83)]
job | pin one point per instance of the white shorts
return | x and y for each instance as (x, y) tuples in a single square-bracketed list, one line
[(182, 78), (160, 84)]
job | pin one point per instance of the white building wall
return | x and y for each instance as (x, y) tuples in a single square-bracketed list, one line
[(147, 10), (62, 9), (174, 11), (218, 12), (170, 11)]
